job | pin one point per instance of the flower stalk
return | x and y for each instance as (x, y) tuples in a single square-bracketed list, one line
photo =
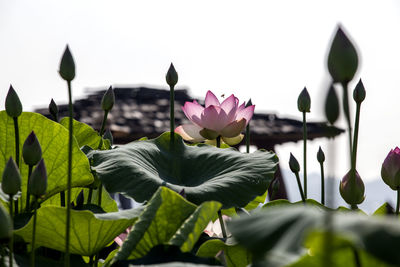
[(303, 105), (321, 159), (346, 110), (221, 221), (11, 242), (172, 79), (34, 231), (249, 103), (67, 72), (358, 96)]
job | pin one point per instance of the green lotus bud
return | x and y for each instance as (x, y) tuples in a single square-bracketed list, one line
[(353, 195), (53, 109), (332, 106), (11, 182), (359, 93), (5, 225), (108, 135), (294, 164), (31, 150), (13, 104), (38, 182), (342, 58), (67, 66), (108, 100), (172, 76), (320, 155), (249, 103), (304, 101)]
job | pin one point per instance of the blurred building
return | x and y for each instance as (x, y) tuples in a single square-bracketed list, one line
[(143, 111)]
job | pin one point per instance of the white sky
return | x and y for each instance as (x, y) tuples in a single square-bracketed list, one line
[(266, 50)]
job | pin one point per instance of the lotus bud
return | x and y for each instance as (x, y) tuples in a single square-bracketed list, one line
[(67, 66), (294, 164), (6, 227), (320, 155), (390, 170), (346, 189), (359, 93), (342, 58), (11, 182), (172, 76), (53, 109), (304, 101), (274, 188), (38, 181), (108, 135), (31, 150), (108, 100), (332, 106), (13, 104)]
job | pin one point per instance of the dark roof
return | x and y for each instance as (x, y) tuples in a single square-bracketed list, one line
[(142, 111)]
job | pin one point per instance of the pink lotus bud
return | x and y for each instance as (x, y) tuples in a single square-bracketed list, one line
[(226, 119), (353, 195), (390, 171)]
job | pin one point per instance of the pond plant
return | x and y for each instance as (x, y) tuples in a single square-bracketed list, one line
[(203, 203)]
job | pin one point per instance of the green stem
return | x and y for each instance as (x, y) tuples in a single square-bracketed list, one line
[(99, 192), (27, 192), (305, 153), (354, 151), (248, 138), (322, 184), (34, 232), (96, 260), (89, 200), (218, 140), (221, 222), (62, 198), (11, 244), (357, 259), (69, 181), (103, 125), (346, 109), (171, 110), (300, 188), (172, 115), (16, 130), (398, 201)]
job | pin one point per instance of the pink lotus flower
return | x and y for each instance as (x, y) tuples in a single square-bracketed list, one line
[(226, 119), (390, 171)]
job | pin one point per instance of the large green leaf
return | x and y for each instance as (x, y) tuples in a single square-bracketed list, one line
[(167, 219), (53, 139), (235, 255), (204, 172), (89, 232), (276, 235), (85, 135)]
